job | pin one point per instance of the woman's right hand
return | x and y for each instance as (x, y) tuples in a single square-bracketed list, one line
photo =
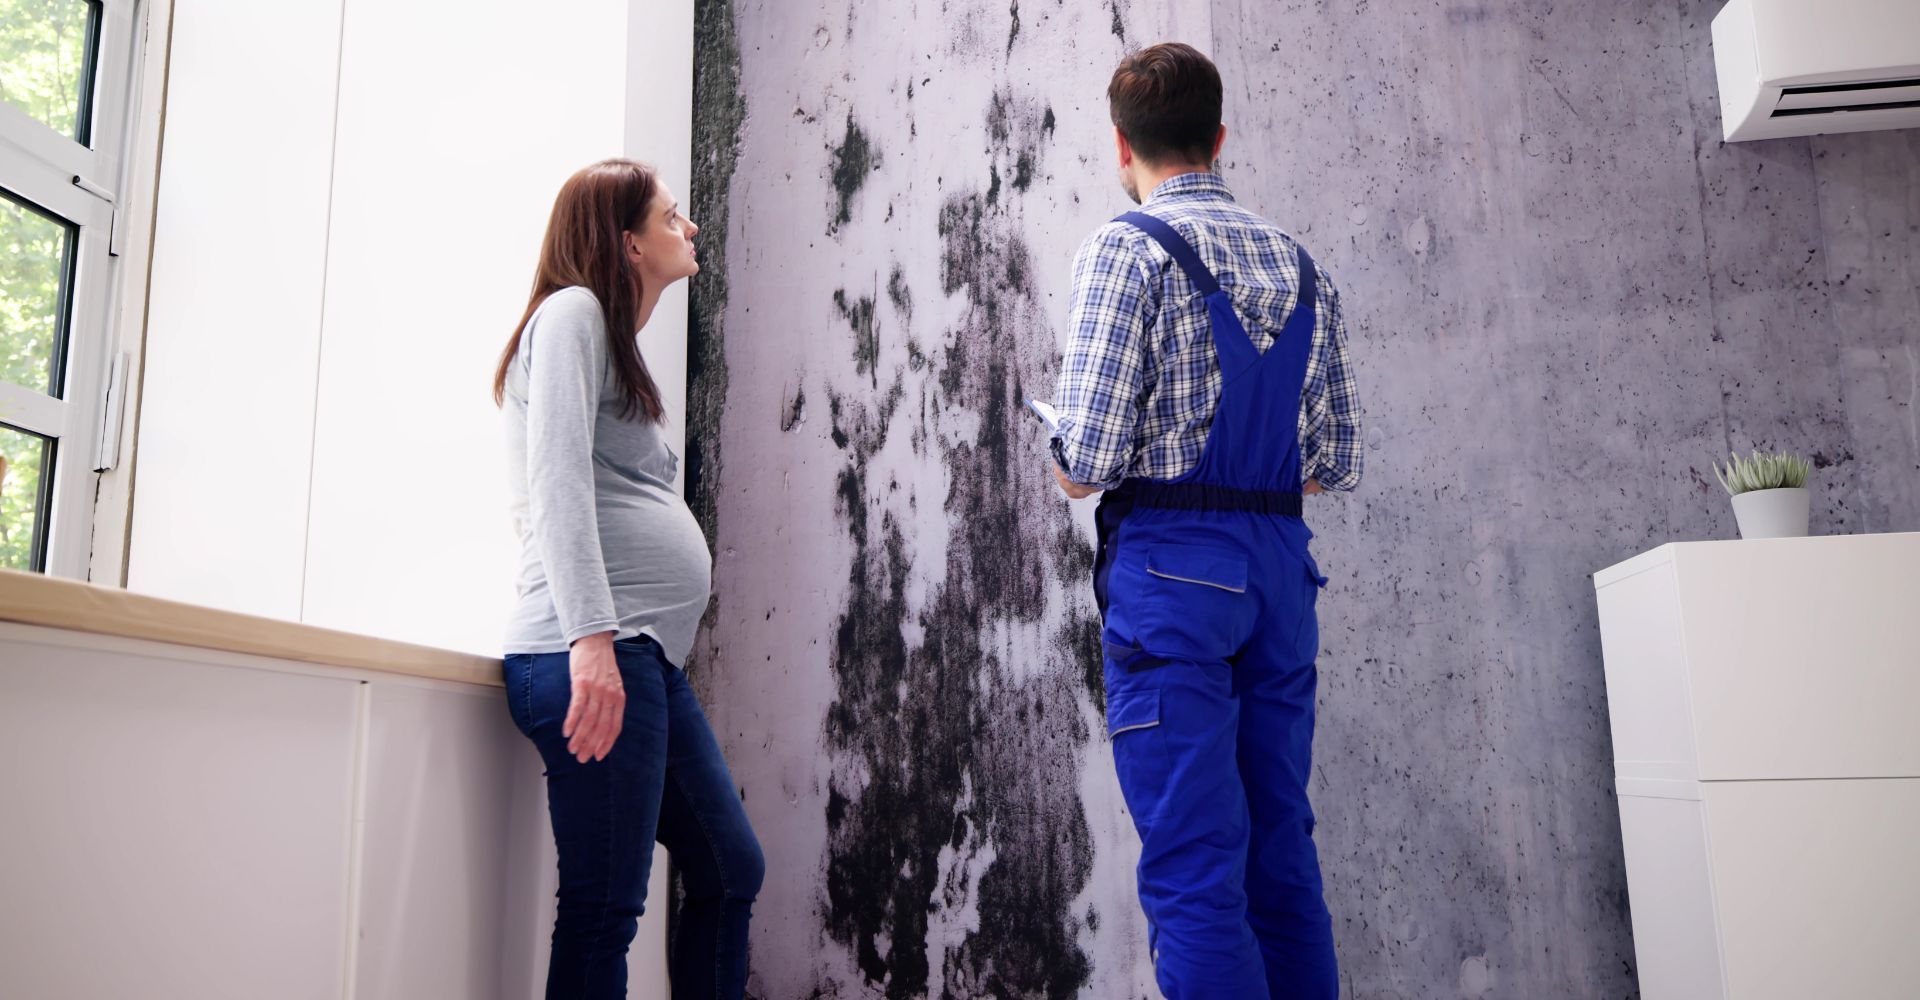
[(599, 699)]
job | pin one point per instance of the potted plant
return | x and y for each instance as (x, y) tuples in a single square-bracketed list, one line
[(1769, 494)]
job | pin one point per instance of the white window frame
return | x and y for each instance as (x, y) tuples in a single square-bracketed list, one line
[(81, 185)]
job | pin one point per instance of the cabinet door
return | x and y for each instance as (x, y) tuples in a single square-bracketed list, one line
[(1674, 930), (1818, 886), (1803, 656), (173, 829)]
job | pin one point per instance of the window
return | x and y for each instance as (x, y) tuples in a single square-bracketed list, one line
[(47, 58), (65, 91)]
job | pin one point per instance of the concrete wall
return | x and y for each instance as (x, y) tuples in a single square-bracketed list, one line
[(1567, 297)]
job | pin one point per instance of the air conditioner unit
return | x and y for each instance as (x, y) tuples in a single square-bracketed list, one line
[(1805, 67)]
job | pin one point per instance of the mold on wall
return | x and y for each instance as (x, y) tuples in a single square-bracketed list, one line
[(903, 658)]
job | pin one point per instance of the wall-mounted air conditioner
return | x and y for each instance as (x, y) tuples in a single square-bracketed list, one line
[(1804, 67)]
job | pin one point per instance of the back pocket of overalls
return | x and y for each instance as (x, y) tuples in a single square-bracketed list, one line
[(1194, 602), (1200, 565)]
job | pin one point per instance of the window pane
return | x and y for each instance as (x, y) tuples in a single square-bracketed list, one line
[(35, 253), (25, 483), (46, 60)]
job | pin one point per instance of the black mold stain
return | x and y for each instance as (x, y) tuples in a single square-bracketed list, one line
[(1081, 633), (719, 111), (866, 337), (954, 368), (945, 747), (967, 260), (1119, 28), (960, 239), (1023, 172), (898, 292), (1015, 31), (840, 438), (1019, 135), (853, 160), (1000, 118), (796, 410)]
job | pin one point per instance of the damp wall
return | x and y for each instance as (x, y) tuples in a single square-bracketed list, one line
[(1566, 297)]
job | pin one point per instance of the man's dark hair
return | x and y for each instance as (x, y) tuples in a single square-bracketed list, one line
[(1166, 101)]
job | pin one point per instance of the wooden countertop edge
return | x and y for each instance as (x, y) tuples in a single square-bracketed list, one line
[(33, 599)]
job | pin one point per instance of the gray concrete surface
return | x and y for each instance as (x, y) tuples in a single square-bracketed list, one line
[(1567, 298)]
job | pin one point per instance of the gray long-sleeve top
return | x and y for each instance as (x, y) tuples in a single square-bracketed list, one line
[(606, 544)]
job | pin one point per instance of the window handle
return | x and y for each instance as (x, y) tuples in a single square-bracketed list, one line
[(114, 236), (93, 189)]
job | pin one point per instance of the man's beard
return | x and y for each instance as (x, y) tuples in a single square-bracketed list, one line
[(1127, 185)]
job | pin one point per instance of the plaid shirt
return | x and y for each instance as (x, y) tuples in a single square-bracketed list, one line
[(1140, 382)]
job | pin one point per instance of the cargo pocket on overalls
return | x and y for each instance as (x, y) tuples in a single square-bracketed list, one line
[(1307, 632), (1140, 757)]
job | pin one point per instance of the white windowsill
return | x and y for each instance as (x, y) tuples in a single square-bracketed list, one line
[(33, 599)]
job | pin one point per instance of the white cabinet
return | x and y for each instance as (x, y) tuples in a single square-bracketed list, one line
[(1765, 705), (180, 822), (171, 829)]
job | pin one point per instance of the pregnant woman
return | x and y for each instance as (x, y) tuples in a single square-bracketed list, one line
[(614, 576)]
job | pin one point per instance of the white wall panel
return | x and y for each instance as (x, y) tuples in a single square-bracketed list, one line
[(458, 124), (659, 130), (226, 419), (173, 830), (437, 869)]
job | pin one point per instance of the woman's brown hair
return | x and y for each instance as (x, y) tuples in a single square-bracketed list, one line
[(586, 246)]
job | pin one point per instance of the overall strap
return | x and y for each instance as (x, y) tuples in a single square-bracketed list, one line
[(1175, 245), (1251, 460), (1300, 320), (1235, 351)]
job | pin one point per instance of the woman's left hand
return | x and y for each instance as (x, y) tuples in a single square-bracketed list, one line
[(599, 700)]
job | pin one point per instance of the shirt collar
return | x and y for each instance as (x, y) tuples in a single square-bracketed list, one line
[(1197, 184)]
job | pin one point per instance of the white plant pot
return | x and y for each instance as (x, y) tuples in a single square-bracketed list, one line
[(1782, 513)]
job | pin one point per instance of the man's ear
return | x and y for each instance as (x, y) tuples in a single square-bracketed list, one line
[(1124, 148), (1219, 140)]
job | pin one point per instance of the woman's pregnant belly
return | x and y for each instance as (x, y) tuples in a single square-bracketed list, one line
[(657, 558)]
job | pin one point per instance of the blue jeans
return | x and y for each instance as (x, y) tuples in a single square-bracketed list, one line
[(664, 779)]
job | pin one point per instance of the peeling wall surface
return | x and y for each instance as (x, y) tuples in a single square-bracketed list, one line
[(1566, 298)]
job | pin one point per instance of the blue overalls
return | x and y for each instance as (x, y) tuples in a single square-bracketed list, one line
[(1208, 595)]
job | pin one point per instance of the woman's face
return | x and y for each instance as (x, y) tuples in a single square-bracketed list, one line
[(662, 248)]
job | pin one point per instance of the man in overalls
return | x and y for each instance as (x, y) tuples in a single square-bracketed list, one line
[(1206, 388)]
